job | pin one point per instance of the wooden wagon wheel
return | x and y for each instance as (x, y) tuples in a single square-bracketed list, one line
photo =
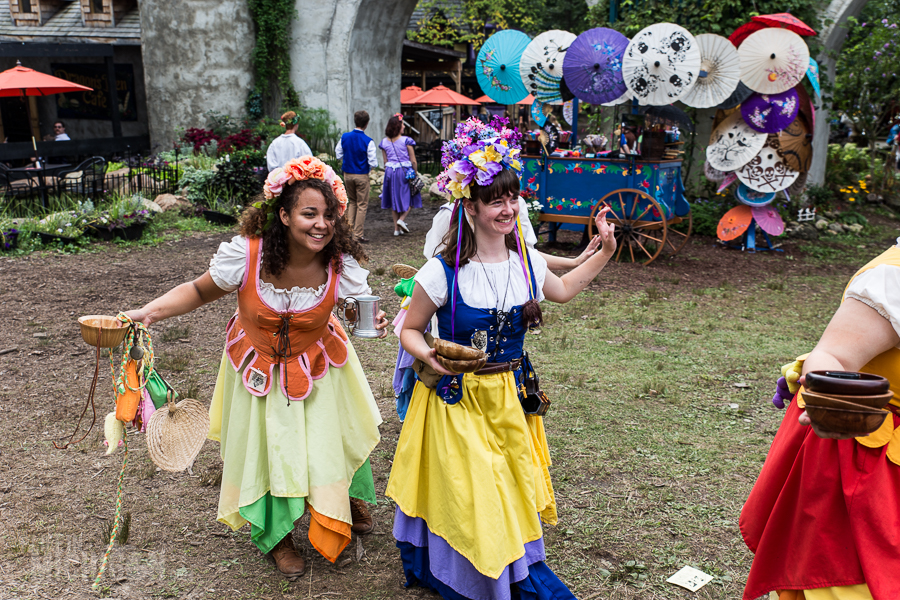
[(636, 236), (675, 240)]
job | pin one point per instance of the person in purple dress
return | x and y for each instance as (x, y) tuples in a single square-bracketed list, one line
[(399, 157)]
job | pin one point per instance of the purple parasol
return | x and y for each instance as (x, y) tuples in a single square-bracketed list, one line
[(770, 113), (593, 65)]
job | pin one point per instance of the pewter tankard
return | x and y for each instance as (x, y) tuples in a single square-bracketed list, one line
[(363, 324)]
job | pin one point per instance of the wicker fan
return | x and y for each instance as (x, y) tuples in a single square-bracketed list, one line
[(176, 433), (404, 271)]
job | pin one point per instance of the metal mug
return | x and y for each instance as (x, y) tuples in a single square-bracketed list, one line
[(366, 309)]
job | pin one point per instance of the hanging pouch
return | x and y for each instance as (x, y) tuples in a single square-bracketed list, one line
[(534, 401), (157, 386), (426, 374)]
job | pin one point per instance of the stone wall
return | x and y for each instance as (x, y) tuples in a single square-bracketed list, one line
[(196, 58)]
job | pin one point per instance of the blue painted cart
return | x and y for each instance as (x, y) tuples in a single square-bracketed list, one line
[(646, 197)]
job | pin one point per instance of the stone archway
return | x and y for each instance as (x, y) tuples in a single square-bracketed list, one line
[(832, 38), (346, 57)]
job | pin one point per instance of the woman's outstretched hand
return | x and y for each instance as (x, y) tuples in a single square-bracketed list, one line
[(606, 232), (589, 250), (139, 316)]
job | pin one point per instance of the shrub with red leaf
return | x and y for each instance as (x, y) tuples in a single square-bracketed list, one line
[(245, 138), (199, 137)]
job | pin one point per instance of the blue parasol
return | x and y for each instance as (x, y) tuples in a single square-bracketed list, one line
[(593, 65), (753, 198), (497, 66), (537, 113), (812, 73)]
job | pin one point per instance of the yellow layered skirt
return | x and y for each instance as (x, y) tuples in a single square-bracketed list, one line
[(477, 471)]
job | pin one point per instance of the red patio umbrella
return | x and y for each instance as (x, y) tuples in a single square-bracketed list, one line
[(485, 100), (785, 21), (443, 96), (21, 81), (409, 93), (526, 101)]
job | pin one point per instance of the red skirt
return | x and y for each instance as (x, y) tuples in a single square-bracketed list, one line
[(823, 513)]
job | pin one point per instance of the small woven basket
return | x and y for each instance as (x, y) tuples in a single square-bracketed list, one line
[(404, 271), (109, 331), (176, 433)]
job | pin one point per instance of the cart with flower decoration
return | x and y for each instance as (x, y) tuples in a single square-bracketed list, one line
[(647, 199)]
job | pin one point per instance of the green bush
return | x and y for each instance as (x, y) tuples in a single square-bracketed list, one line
[(846, 165), (820, 197), (197, 182), (236, 180), (708, 211)]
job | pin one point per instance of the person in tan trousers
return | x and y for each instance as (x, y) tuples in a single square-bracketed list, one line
[(356, 150)]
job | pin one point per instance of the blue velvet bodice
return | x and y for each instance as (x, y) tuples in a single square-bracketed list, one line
[(504, 344)]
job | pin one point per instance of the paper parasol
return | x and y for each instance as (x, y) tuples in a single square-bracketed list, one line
[(784, 21), (568, 110), (812, 73), (734, 223), (541, 66), (626, 97), (670, 113), (768, 219), (733, 144), (741, 33), (799, 185), (593, 65), (537, 113), (753, 198), (773, 60), (795, 145), (661, 64), (770, 113), (767, 172), (740, 93), (712, 173), (730, 178), (497, 66), (720, 72)]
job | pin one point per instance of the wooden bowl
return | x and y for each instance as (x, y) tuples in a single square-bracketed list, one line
[(847, 402), (108, 330), (462, 366), (846, 383), (836, 423)]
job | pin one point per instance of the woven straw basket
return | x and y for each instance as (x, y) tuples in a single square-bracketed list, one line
[(176, 433), (404, 271), (108, 330)]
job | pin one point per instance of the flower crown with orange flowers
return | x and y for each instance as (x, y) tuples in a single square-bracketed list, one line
[(298, 169)]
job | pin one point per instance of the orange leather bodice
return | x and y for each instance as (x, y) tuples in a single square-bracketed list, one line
[(304, 343)]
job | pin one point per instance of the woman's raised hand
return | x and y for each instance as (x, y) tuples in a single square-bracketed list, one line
[(606, 232), (138, 315), (589, 250)]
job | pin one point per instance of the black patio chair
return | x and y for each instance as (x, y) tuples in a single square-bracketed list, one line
[(87, 179), (14, 187)]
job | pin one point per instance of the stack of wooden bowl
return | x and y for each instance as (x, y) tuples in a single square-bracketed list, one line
[(843, 404), (459, 359)]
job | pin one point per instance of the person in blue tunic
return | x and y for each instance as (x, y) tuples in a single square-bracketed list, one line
[(471, 472)]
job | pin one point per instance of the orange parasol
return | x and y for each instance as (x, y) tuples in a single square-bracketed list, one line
[(735, 222), (443, 96), (21, 81), (527, 101), (408, 94)]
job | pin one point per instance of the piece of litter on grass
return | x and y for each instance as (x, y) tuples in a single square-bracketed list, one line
[(741, 385), (690, 578), (734, 405)]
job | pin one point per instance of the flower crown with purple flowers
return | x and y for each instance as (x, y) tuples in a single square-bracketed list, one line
[(478, 153)]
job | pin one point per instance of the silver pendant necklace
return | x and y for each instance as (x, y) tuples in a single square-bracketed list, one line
[(502, 315)]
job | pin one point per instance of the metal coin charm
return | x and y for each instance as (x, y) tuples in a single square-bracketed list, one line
[(136, 353), (480, 340)]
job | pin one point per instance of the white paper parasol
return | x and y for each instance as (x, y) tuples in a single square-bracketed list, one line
[(767, 172), (541, 65), (733, 144), (773, 60), (720, 72), (661, 64)]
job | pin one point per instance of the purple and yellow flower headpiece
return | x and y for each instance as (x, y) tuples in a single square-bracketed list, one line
[(477, 154)]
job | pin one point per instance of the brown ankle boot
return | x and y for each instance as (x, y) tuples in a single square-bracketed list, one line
[(287, 559), (362, 520)]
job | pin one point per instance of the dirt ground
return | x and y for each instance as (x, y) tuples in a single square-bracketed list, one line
[(56, 505)]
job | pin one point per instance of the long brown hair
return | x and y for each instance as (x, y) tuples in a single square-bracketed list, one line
[(275, 236), (505, 182)]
